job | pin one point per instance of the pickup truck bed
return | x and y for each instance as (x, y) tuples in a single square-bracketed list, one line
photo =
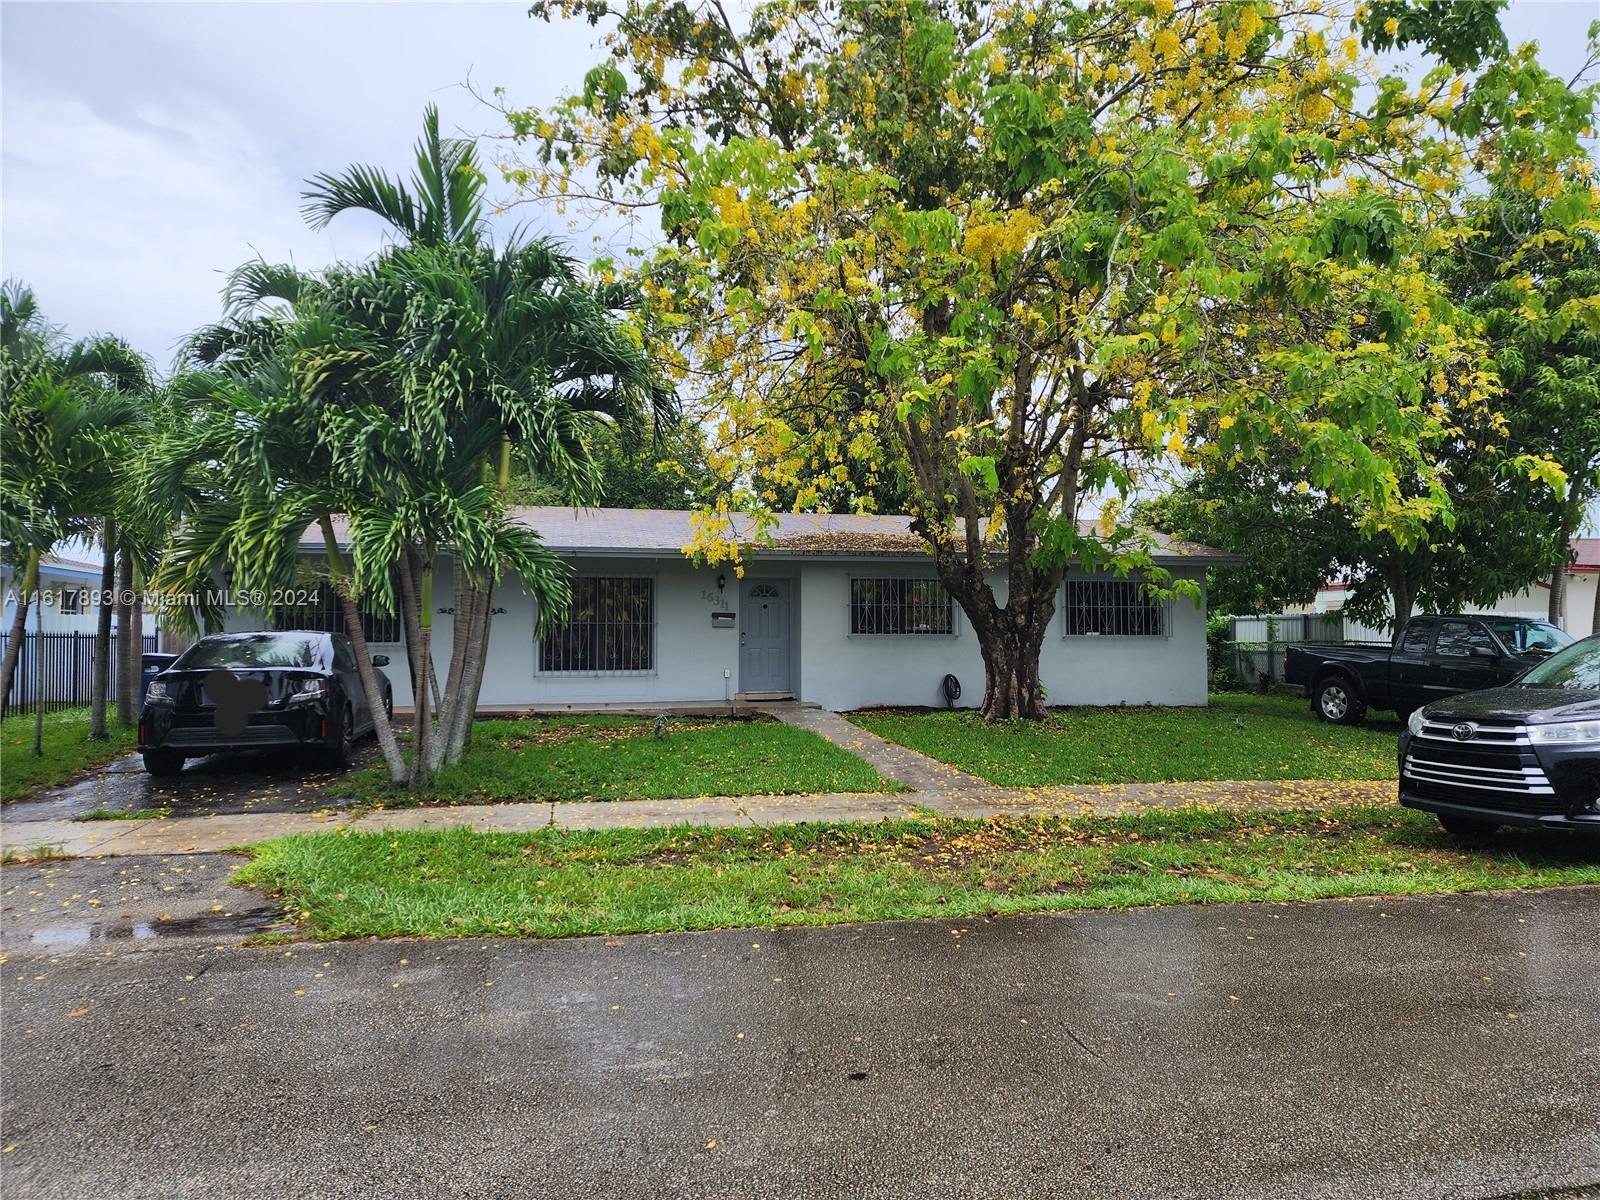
[(1437, 657)]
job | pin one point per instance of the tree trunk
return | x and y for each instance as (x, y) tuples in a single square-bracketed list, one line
[(1011, 675), (411, 618), (133, 649), (393, 761), (38, 680), (1009, 636), (480, 657), (1594, 626), (465, 612), (1402, 588), (125, 685), (100, 670), (1404, 601), (19, 629), (1558, 576), (458, 730), (478, 642), (422, 748), (1558, 596)]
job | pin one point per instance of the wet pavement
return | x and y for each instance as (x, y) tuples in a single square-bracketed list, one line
[(261, 781), (56, 907), (1431, 1047)]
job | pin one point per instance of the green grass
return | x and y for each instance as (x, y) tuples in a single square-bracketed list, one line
[(68, 752), (555, 883), (1238, 736), (42, 853), (620, 758), (125, 814)]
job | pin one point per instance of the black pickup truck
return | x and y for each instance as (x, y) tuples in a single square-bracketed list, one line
[(1436, 657)]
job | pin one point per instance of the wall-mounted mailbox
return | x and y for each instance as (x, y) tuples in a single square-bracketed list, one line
[(722, 620)]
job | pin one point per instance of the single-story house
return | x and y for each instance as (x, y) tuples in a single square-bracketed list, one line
[(1582, 576), (843, 611)]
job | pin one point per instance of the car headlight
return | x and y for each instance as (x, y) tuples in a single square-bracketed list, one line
[(1564, 733), (158, 691), (310, 689), (1415, 722)]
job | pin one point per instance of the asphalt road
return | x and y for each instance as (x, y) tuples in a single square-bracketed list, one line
[(1443, 1047)]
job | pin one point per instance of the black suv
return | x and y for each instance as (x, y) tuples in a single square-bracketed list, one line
[(240, 691), (1524, 754)]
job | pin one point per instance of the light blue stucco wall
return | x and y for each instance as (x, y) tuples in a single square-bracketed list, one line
[(844, 671), (690, 656), (696, 662)]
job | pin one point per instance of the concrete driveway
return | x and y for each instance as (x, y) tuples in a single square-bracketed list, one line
[(1445, 1047), (259, 781)]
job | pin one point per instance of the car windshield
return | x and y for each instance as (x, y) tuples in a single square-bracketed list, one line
[(1576, 668), (1529, 637), (251, 650)]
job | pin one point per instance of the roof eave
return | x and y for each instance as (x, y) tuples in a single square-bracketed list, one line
[(782, 555)]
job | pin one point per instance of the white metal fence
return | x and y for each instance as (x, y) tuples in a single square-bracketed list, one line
[(1255, 644), (66, 662)]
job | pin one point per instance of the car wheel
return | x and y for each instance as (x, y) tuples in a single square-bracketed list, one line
[(1337, 702), (1467, 827), (342, 753), (388, 707), (163, 762)]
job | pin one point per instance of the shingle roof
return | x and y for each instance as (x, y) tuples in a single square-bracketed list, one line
[(658, 532), (1585, 554), (71, 566), (663, 531)]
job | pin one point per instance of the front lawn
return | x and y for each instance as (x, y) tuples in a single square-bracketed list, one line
[(621, 758), (68, 752), (556, 883), (1238, 736)]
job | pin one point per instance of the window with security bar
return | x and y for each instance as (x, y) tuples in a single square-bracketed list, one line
[(895, 606), (1112, 608), (610, 627), (326, 615)]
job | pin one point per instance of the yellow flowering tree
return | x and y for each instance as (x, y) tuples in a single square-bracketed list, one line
[(1035, 256)]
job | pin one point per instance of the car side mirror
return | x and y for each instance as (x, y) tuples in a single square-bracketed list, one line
[(1484, 652), (380, 660)]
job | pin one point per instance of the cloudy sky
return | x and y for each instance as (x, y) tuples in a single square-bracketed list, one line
[(150, 147)]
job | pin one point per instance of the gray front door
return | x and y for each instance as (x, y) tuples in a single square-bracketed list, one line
[(764, 637)]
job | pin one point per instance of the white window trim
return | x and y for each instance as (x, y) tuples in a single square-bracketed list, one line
[(655, 626), (849, 591), (1067, 635)]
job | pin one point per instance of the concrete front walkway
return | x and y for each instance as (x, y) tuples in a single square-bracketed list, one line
[(188, 835), (890, 759)]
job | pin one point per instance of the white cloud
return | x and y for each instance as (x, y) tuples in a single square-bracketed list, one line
[(191, 198), (150, 148)]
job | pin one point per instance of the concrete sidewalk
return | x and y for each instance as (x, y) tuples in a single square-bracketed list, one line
[(188, 835)]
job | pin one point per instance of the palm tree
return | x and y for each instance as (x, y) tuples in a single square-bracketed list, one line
[(64, 411), (442, 204), (397, 394), (515, 341)]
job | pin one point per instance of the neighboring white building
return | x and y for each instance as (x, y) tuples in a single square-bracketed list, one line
[(841, 611), (69, 588), (1582, 577)]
